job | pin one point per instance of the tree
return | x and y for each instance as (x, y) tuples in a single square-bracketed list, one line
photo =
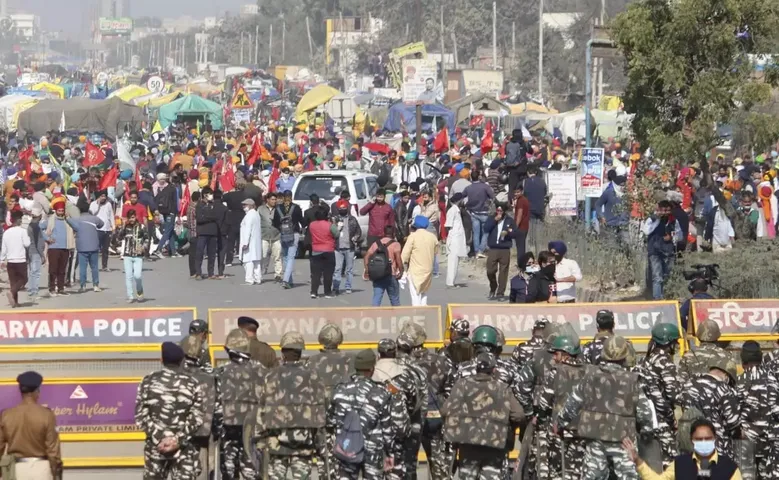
[(689, 69)]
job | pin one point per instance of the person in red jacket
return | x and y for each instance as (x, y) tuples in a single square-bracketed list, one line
[(380, 215), (322, 260)]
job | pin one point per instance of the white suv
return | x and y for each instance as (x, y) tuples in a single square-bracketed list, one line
[(328, 185)]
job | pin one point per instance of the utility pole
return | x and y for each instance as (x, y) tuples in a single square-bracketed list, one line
[(283, 40), (494, 35), (310, 43), (454, 46), (240, 57), (443, 52), (184, 52), (256, 45), (541, 49), (270, 46), (600, 60)]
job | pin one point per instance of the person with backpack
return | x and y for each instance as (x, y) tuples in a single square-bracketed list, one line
[(516, 160), (383, 266), (288, 219), (359, 417), (167, 204)]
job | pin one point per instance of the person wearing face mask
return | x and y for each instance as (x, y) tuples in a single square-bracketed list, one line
[(520, 282), (135, 244), (567, 273), (662, 231), (659, 379), (285, 181), (402, 216), (713, 395), (380, 215), (500, 232), (207, 233), (704, 462), (251, 243), (542, 287), (60, 239)]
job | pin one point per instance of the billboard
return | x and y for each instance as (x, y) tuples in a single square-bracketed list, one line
[(84, 328), (360, 326), (483, 81), (562, 185), (84, 406), (419, 80), (115, 26)]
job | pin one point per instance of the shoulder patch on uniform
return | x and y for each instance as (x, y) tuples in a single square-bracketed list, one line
[(392, 388)]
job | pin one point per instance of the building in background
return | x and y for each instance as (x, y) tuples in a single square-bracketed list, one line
[(250, 9), (114, 8), (27, 25)]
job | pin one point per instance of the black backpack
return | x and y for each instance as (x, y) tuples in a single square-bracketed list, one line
[(350, 442), (433, 420), (380, 265)]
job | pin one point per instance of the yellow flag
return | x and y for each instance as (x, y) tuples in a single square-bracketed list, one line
[(157, 127)]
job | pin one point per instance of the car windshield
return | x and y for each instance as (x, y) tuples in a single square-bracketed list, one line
[(326, 187)]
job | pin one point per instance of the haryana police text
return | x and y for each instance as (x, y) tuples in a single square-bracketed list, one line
[(97, 328)]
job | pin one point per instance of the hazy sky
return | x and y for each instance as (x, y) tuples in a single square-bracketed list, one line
[(71, 15)]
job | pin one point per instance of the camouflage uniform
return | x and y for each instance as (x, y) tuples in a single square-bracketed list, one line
[(555, 388), (396, 378), (170, 403), (660, 382), (372, 401), (291, 418), (604, 423), (592, 352), (417, 376), (719, 404), (439, 452), (479, 420), (240, 385), (523, 352), (193, 366), (696, 362), (332, 367), (528, 387), (758, 394)]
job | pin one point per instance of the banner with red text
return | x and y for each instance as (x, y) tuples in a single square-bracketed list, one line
[(739, 318)]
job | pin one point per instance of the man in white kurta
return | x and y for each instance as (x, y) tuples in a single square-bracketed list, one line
[(251, 243), (456, 245)]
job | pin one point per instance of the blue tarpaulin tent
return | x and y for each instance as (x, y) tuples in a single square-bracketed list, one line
[(402, 116)]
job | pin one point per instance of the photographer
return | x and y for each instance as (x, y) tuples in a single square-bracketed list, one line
[(700, 291)]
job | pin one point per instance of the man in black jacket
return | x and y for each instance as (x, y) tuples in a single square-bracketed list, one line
[(288, 219), (223, 227), (167, 204), (207, 233), (500, 231), (235, 215)]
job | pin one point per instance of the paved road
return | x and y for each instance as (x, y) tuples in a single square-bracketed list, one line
[(167, 284)]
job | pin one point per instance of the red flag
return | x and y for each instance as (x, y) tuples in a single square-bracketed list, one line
[(256, 151), (488, 142), (274, 175), (93, 155), (109, 178), (226, 176), (24, 160), (185, 201), (441, 141)]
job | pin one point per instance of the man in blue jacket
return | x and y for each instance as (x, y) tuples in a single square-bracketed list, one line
[(612, 215), (87, 245), (500, 231), (662, 231)]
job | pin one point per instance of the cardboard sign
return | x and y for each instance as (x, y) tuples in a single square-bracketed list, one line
[(562, 185), (739, 318), (631, 319), (359, 325), (241, 99), (85, 406), (124, 326)]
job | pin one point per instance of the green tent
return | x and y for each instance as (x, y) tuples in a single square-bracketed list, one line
[(191, 105)]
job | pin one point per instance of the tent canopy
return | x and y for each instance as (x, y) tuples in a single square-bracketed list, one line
[(8, 107), (164, 100), (50, 87), (401, 115), (129, 92), (315, 97), (462, 107), (192, 105), (109, 117)]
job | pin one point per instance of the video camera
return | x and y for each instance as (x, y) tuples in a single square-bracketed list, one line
[(708, 272)]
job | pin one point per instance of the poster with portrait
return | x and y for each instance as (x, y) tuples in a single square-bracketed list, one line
[(419, 80)]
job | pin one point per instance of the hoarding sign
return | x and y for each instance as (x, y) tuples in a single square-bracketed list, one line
[(116, 26), (419, 80), (739, 318), (562, 186), (592, 171)]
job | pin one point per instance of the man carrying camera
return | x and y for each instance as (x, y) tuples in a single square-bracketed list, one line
[(700, 291)]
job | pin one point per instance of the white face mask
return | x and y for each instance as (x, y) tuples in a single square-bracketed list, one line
[(210, 197), (532, 269), (246, 209), (703, 448)]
